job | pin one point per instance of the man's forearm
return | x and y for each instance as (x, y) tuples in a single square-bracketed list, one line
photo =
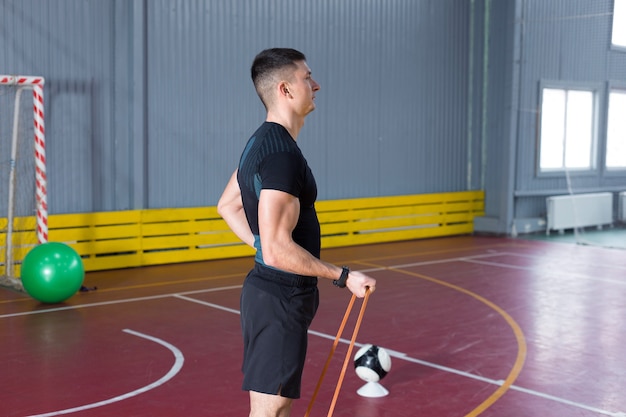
[(236, 220)]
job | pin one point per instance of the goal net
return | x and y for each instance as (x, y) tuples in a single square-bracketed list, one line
[(23, 199)]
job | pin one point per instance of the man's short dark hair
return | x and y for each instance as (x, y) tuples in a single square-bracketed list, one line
[(268, 65)]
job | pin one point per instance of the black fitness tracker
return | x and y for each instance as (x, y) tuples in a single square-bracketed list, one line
[(341, 282)]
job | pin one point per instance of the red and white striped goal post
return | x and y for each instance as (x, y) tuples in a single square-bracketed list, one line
[(36, 84)]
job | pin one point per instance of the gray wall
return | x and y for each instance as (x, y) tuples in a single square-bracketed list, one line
[(149, 103), (383, 120), (84, 51)]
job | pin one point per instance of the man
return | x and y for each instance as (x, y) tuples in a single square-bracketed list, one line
[(269, 203)]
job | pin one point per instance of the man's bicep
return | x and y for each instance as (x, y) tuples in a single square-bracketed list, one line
[(278, 214)]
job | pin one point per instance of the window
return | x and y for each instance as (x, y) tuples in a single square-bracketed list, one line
[(619, 28), (616, 131), (567, 130)]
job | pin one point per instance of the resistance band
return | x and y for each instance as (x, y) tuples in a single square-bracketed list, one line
[(332, 352)]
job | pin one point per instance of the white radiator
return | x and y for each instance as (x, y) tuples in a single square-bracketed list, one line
[(622, 206), (581, 210)]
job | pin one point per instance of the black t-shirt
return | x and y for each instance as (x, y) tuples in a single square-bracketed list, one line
[(272, 160)]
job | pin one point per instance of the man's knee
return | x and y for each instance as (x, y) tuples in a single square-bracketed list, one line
[(268, 405)]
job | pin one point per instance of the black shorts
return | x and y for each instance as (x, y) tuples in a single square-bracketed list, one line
[(276, 311)]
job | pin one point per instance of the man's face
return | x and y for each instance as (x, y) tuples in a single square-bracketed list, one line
[(303, 89)]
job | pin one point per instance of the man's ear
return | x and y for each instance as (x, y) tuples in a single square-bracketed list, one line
[(283, 89)]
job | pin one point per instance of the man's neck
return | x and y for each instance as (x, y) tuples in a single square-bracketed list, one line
[(292, 124)]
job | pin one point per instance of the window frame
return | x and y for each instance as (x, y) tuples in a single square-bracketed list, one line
[(597, 93), (622, 9), (621, 86)]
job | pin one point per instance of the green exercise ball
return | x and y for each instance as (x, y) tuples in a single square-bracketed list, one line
[(52, 272)]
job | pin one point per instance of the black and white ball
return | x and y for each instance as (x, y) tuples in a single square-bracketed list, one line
[(372, 363)]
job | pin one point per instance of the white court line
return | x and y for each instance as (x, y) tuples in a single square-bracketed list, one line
[(178, 364), (399, 355), (216, 306), (532, 256), (547, 272), (477, 260), (231, 287), (405, 357), (126, 300), (434, 262), (443, 261)]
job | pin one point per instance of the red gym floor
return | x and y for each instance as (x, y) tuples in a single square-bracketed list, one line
[(475, 326)]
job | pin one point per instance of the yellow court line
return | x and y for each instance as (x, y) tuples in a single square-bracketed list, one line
[(517, 331), (181, 281)]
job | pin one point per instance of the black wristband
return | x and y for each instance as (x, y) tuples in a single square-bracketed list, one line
[(341, 282)]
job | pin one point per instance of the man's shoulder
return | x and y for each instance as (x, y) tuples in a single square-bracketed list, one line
[(274, 138)]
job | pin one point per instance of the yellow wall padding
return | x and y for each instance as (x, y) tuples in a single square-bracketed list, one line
[(121, 239)]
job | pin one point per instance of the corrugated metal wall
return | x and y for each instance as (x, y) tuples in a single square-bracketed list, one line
[(81, 48), (390, 116), (149, 103)]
